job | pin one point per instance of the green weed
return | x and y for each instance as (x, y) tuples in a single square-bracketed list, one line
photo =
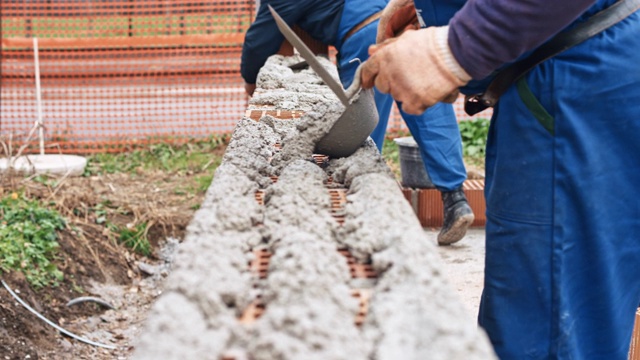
[(190, 157), (135, 238), (474, 137), (29, 240), (132, 236)]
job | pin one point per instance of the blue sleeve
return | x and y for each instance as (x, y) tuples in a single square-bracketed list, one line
[(263, 38), (437, 12), (486, 34)]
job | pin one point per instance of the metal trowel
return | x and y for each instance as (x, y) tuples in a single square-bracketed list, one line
[(360, 117)]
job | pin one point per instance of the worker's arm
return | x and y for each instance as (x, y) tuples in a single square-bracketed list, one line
[(426, 66), (486, 34), (263, 38)]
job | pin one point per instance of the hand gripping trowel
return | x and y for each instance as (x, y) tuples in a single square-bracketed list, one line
[(360, 116)]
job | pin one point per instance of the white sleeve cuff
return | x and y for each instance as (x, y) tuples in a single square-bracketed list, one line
[(450, 62)]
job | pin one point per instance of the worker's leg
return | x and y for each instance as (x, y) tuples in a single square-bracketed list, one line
[(563, 219), (516, 302), (357, 47), (437, 134)]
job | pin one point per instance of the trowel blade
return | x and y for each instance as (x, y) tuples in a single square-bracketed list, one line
[(302, 48)]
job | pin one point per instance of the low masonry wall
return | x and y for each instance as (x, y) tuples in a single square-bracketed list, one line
[(294, 255)]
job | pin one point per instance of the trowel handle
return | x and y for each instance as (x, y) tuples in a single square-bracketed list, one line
[(356, 85)]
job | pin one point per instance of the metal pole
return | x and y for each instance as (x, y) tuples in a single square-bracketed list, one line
[(39, 122)]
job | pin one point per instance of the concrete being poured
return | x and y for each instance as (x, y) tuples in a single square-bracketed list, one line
[(309, 295)]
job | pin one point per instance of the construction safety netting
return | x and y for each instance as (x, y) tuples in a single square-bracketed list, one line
[(120, 73)]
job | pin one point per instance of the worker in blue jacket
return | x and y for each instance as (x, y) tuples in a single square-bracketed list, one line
[(562, 168), (351, 26)]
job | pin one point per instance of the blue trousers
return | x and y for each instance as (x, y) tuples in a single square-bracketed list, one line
[(562, 276), (436, 131)]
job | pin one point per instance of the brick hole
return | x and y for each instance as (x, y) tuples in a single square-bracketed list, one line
[(252, 312), (259, 195), (358, 270), (363, 271), (321, 160), (260, 265), (257, 114), (363, 299), (338, 199), (257, 308)]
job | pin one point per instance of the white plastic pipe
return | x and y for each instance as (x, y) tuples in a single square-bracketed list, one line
[(39, 122)]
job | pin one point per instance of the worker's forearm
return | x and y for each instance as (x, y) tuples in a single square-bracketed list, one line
[(262, 40), (486, 34)]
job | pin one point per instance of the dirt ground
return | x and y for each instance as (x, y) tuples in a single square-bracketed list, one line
[(95, 264)]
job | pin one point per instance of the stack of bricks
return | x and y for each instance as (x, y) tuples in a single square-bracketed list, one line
[(427, 203)]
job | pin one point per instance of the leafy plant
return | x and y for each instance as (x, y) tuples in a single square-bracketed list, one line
[(135, 238), (474, 140), (29, 240), (474, 137), (132, 236)]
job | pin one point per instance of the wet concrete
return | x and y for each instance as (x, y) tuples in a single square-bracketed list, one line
[(413, 312), (287, 90), (310, 309), (311, 127), (211, 282)]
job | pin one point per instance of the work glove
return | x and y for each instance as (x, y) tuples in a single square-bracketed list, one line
[(416, 68), (397, 17)]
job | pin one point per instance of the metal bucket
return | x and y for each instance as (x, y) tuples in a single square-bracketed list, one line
[(414, 174)]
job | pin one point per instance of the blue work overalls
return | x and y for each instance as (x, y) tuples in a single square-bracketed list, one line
[(436, 131), (562, 276)]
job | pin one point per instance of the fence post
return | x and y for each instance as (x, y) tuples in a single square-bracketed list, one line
[(39, 121)]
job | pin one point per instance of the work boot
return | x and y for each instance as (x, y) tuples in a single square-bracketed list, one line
[(457, 217)]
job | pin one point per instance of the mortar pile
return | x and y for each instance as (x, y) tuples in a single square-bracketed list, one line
[(287, 259), (288, 89)]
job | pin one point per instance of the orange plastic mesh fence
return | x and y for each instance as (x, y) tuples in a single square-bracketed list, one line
[(118, 73)]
